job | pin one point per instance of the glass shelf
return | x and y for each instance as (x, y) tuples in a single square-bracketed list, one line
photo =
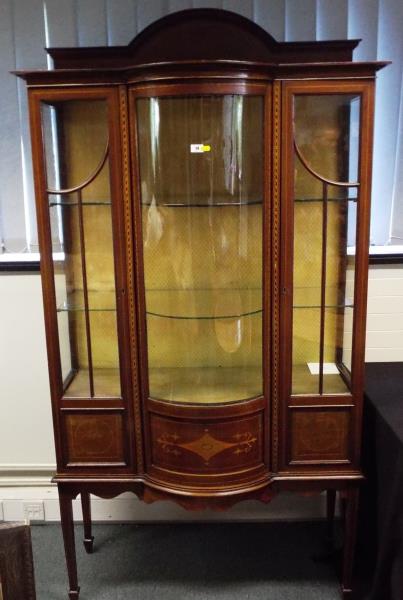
[(218, 204), (84, 203), (199, 304), (205, 385), (311, 200), (97, 301), (303, 382), (204, 203), (107, 382), (204, 304), (193, 204), (310, 297)]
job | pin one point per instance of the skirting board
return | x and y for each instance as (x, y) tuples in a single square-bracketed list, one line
[(26, 475), (127, 508)]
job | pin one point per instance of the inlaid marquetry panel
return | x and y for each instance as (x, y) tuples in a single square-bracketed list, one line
[(94, 438), (319, 435), (209, 446)]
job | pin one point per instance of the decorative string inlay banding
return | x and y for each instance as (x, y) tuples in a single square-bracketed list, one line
[(276, 269), (130, 273)]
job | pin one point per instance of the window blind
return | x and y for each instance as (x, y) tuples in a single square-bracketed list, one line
[(27, 26)]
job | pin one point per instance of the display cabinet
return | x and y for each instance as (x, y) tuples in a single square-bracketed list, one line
[(203, 213)]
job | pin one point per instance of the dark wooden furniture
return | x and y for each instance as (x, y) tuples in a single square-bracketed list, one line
[(381, 511), (197, 195), (16, 566)]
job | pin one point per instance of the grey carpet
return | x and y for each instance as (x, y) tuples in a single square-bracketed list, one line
[(266, 561)]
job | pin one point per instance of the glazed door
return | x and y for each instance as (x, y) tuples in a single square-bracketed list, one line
[(82, 250), (201, 199), (325, 235)]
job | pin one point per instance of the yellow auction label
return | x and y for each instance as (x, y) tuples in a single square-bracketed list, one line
[(199, 148)]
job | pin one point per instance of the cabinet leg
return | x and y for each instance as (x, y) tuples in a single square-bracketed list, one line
[(327, 553), (88, 537), (349, 541), (330, 512), (66, 514)]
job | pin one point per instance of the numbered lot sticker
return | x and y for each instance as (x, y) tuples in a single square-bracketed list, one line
[(199, 148)]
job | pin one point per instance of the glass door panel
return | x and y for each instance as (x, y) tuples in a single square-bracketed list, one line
[(201, 170), (326, 190), (79, 197)]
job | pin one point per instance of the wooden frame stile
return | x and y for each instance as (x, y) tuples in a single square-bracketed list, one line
[(139, 274), (367, 90), (119, 155), (275, 221), (286, 233), (132, 297), (267, 275), (46, 264)]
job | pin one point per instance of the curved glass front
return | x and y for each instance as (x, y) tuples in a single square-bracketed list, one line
[(201, 172)]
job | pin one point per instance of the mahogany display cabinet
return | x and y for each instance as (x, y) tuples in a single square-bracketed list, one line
[(203, 209)]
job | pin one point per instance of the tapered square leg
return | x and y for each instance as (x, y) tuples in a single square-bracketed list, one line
[(88, 537), (330, 512), (66, 515), (350, 534)]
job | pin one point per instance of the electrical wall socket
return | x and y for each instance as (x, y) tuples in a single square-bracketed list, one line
[(33, 511)]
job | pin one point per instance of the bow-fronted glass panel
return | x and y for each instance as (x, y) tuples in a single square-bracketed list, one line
[(201, 173)]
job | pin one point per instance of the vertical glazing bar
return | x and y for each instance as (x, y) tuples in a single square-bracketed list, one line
[(323, 287), (85, 291)]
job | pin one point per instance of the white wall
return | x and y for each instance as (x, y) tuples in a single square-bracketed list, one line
[(25, 419), (27, 455), (385, 314)]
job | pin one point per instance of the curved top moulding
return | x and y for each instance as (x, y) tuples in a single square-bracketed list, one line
[(202, 34)]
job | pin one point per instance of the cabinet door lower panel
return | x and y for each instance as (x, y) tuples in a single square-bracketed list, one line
[(319, 436), (95, 439), (209, 446), (208, 451)]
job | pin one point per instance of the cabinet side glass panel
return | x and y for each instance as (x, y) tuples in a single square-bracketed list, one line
[(326, 192), (201, 170), (77, 165)]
